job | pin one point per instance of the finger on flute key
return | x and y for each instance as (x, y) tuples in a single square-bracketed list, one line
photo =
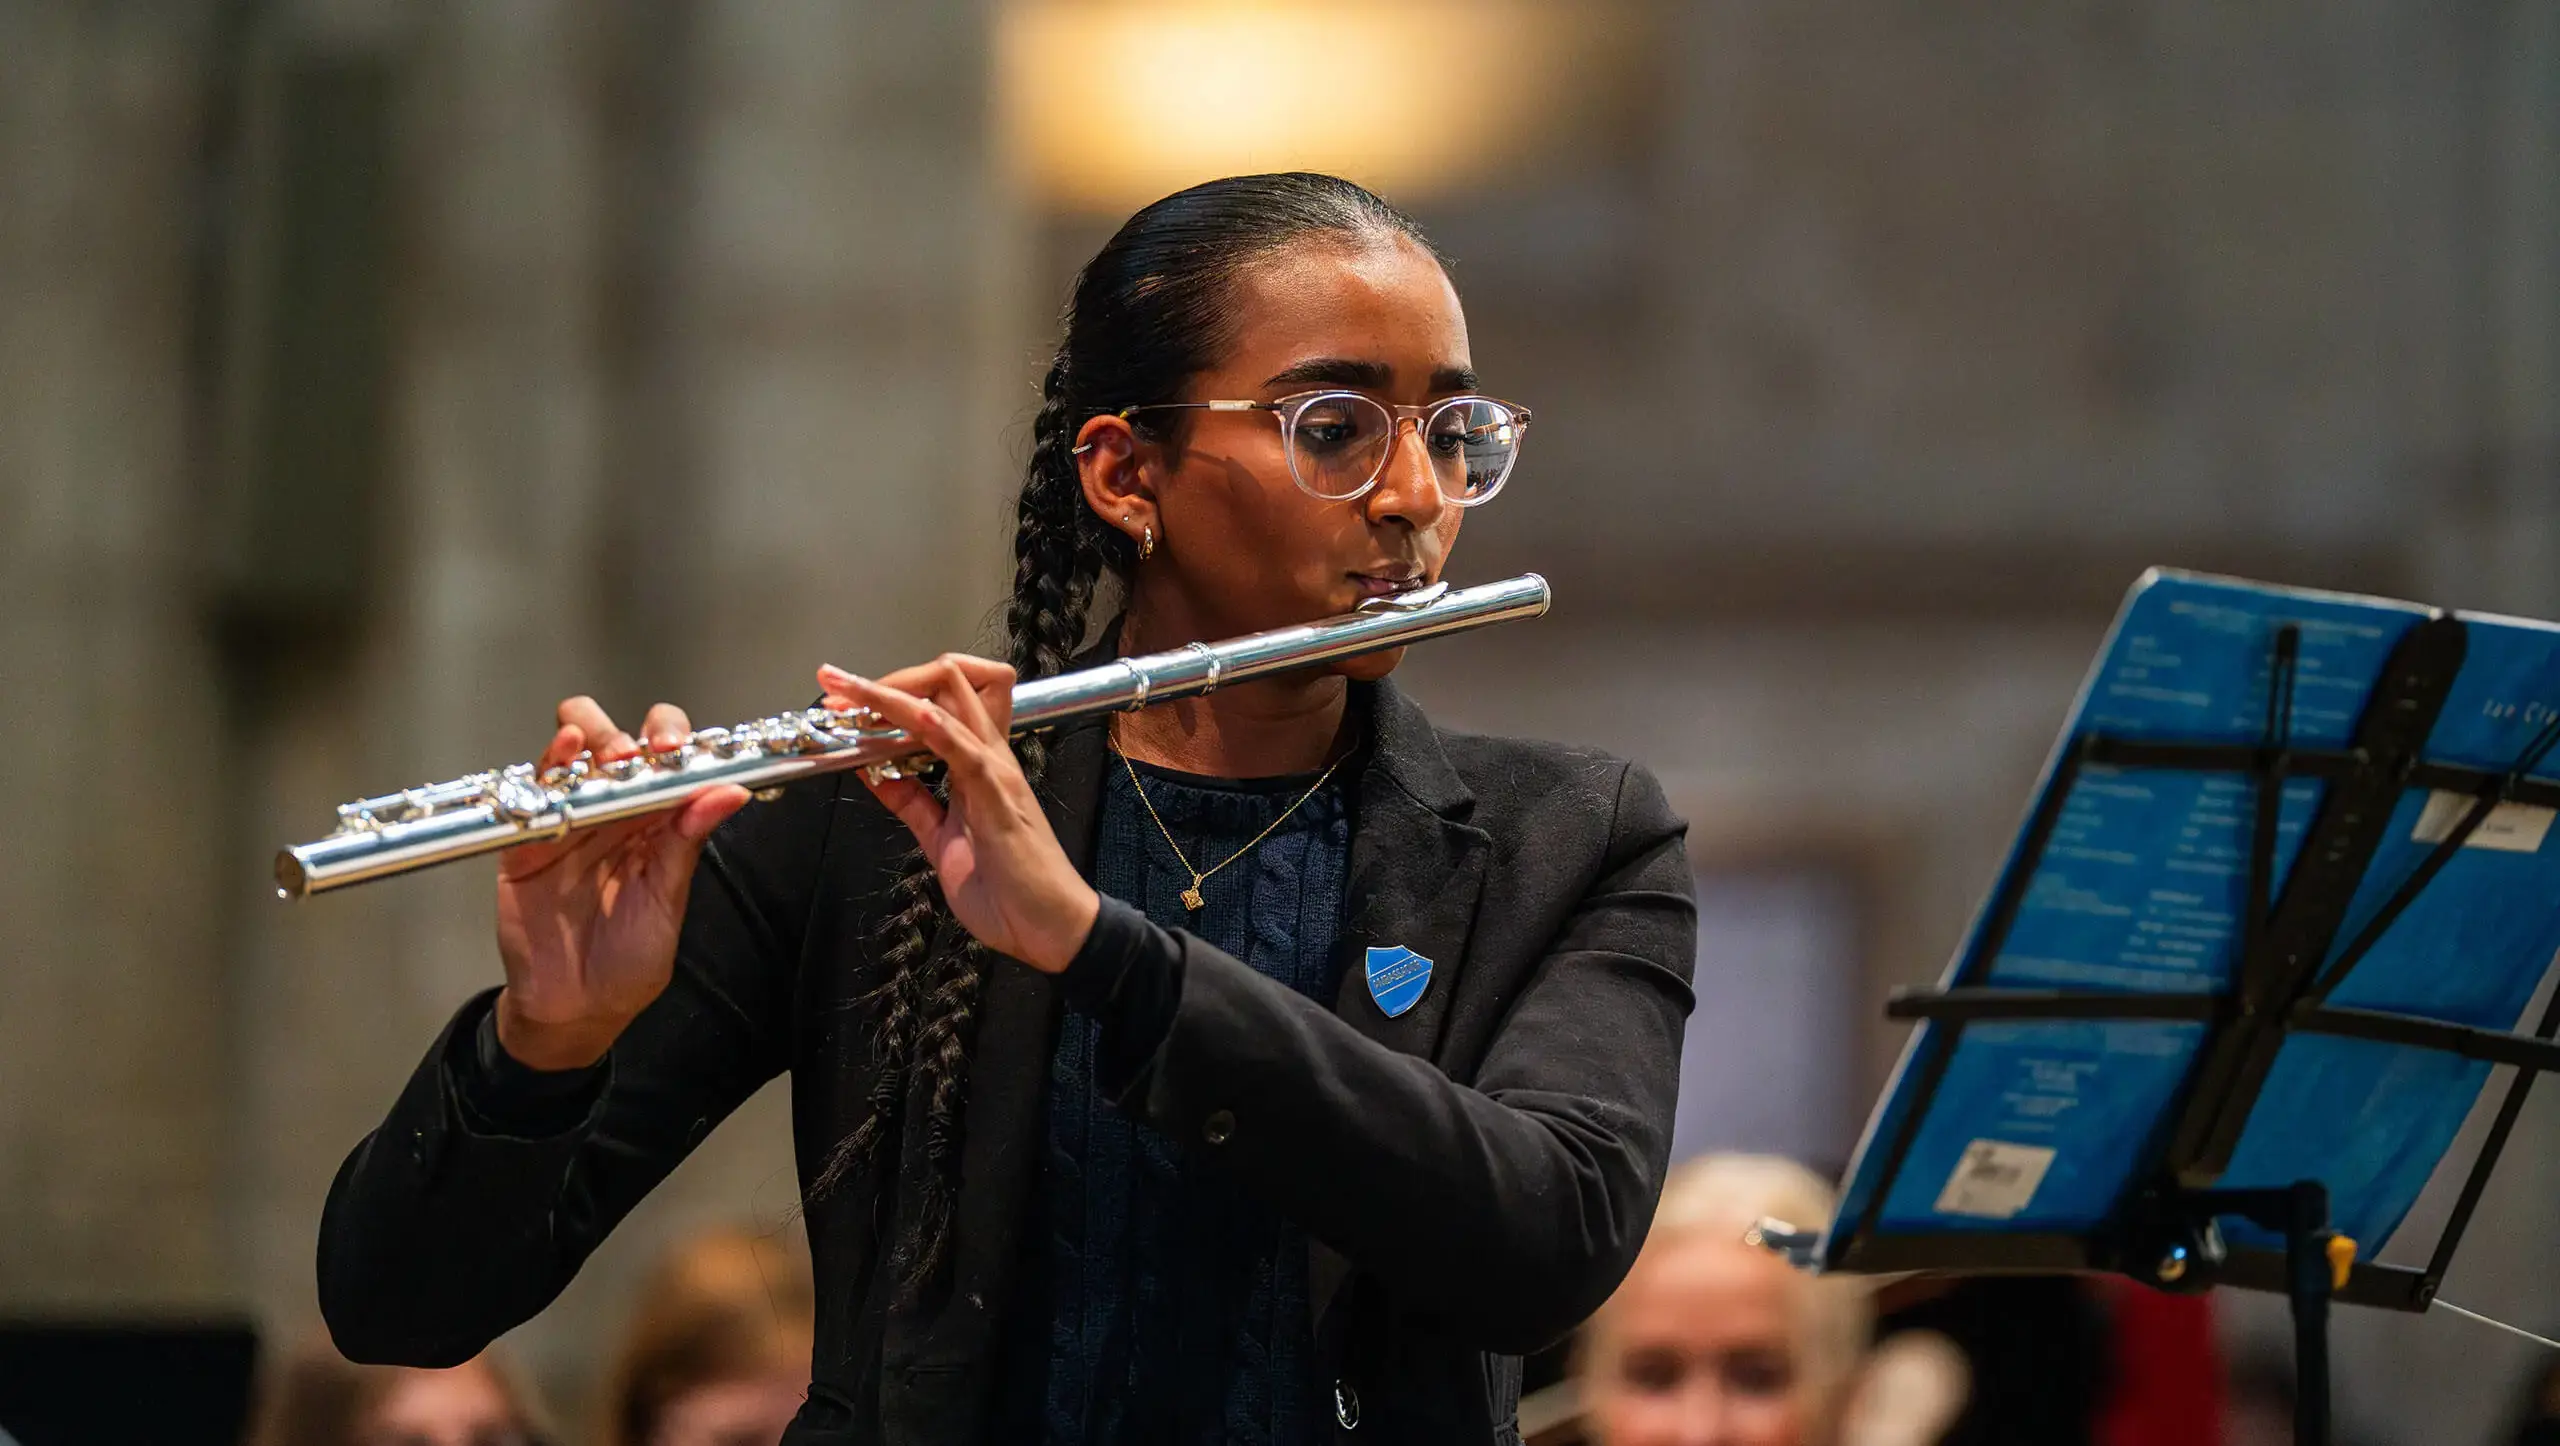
[(567, 742), (607, 741), (922, 718), (953, 690), (666, 727)]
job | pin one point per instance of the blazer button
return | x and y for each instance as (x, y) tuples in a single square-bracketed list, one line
[(1346, 1406), (1218, 1127)]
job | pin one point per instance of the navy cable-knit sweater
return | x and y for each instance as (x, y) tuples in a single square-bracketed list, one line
[(1162, 1301)]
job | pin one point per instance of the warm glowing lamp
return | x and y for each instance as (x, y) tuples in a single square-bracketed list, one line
[(1108, 104)]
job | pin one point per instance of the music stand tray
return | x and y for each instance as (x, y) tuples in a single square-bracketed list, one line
[(2278, 907)]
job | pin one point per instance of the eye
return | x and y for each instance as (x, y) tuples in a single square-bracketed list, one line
[(1482, 431), (1651, 1372), (1760, 1373), (1330, 425)]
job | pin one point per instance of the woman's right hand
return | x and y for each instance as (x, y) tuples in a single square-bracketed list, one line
[(587, 924)]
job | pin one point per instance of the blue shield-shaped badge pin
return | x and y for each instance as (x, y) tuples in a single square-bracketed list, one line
[(1397, 977)]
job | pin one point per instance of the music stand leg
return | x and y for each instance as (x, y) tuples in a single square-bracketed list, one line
[(2307, 1287), (2179, 1228)]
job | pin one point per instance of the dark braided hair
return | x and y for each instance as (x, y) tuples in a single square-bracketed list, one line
[(1150, 311)]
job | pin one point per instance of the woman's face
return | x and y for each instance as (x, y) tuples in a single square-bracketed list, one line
[(464, 1406), (1703, 1346), (750, 1411), (1240, 546)]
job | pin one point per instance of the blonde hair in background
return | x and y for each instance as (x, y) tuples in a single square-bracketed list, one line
[(1713, 1191), (1905, 1393), (1723, 1196), (725, 1304), (317, 1397)]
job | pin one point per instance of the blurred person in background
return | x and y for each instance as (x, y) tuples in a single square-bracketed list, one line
[(2038, 1349), (1715, 1341), (1087, 1054), (319, 1398), (2163, 1376), (2537, 1417), (718, 1349), (2260, 1393)]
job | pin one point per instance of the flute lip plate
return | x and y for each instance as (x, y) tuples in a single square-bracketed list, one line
[(1406, 601)]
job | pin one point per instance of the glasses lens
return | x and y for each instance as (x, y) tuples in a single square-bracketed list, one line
[(1473, 444), (1337, 441)]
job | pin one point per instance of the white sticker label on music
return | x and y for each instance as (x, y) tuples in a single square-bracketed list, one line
[(2515, 828), (1994, 1180)]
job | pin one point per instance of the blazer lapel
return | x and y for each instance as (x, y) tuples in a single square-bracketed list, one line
[(1417, 869), (1417, 872)]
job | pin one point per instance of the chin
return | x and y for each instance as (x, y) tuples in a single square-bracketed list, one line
[(1369, 667)]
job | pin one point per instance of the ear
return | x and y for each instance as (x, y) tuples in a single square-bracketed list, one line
[(1111, 466), (1907, 1392)]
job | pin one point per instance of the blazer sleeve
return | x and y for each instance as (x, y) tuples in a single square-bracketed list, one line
[(441, 1233), (1508, 1209)]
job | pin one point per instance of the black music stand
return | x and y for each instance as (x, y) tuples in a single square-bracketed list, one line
[(2165, 1228)]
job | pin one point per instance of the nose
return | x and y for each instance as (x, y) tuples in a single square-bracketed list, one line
[(1407, 489), (1706, 1418)]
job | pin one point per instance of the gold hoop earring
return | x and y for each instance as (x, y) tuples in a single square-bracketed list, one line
[(1147, 543)]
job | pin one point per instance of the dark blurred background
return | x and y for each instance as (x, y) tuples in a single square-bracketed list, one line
[(373, 373)]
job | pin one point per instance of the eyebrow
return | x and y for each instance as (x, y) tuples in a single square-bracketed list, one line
[(1373, 376)]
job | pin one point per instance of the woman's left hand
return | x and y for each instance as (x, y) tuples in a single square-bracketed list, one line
[(1002, 870)]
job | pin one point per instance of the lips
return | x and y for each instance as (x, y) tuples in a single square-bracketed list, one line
[(1386, 581)]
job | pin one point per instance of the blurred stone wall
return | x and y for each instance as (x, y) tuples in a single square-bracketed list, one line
[(688, 388), (114, 1048), (690, 318)]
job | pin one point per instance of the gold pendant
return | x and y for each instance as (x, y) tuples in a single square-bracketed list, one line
[(1191, 898)]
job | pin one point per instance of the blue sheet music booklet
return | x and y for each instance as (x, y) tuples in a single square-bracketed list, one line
[(2019, 1140)]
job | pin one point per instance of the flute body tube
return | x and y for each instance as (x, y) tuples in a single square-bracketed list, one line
[(479, 813)]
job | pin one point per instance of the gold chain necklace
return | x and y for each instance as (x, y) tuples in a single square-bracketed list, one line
[(1192, 899)]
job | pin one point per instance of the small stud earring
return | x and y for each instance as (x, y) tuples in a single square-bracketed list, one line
[(1147, 543)]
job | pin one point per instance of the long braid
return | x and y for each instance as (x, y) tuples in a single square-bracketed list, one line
[(1148, 314), (1058, 559), (926, 1014), (901, 943), (1060, 548)]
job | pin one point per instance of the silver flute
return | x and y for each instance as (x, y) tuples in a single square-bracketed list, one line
[(437, 823)]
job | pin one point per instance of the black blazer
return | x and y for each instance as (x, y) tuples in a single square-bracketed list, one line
[(1479, 1171)]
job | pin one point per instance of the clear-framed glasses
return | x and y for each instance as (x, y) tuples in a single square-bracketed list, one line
[(1338, 442)]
